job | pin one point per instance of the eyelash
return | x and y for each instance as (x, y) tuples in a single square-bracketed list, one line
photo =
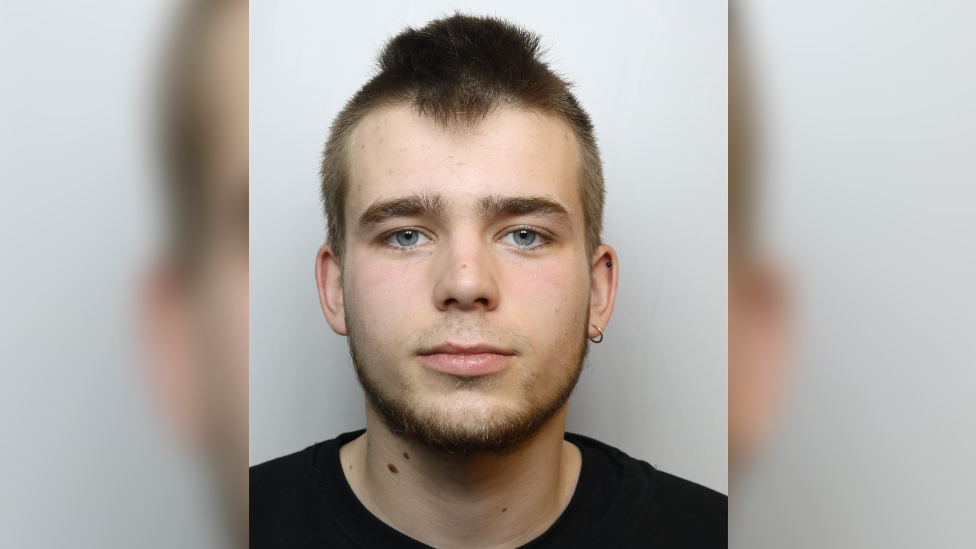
[(389, 234), (547, 239)]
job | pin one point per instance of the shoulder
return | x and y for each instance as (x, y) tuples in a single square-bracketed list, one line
[(282, 498), (292, 475), (279, 476), (692, 503), (664, 509), (287, 496), (686, 513)]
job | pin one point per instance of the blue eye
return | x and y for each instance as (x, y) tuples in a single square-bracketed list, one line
[(407, 238), (523, 237)]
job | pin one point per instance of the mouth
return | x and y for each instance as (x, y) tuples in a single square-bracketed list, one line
[(466, 360)]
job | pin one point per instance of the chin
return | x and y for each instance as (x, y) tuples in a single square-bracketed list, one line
[(470, 424), (472, 408)]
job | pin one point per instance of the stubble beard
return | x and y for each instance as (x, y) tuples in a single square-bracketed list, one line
[(501, 432)]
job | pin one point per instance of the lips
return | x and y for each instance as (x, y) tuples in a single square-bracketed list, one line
[(466, 360)]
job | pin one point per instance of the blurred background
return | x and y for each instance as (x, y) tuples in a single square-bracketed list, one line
[(653, 76), (869, 203), (112, 433)]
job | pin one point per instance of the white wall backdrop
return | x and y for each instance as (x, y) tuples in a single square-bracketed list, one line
[(653, 75)]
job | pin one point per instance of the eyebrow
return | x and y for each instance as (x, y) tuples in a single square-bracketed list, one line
[(512, 206), (415, 205), (432, 205)]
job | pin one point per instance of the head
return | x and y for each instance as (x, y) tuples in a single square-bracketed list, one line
[(464, 196), (757, 308), (197, 296)]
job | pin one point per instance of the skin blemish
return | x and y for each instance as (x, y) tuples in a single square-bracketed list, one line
[(406, 455), (504, 509), (393, 468)]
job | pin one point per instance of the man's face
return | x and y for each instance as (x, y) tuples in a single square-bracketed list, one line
[(465, 280)]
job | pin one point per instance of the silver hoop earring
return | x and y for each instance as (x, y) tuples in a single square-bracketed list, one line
[(597, 339)]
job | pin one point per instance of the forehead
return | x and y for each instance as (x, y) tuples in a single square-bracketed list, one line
[(513, 152)]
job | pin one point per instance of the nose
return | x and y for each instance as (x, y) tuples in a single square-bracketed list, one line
[(465, 277)]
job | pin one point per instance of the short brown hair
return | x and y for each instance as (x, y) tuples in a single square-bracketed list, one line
[(456, 71)]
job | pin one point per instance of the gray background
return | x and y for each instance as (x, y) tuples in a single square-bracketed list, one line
[(872, 207), (653, 75)]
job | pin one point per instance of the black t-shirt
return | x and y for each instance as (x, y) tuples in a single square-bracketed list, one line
[(303, 500)]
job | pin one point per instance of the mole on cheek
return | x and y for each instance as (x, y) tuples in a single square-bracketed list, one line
[(406, 455), (392, 467), (504, 509)]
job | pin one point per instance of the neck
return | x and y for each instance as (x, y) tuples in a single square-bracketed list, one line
[(462, 500)]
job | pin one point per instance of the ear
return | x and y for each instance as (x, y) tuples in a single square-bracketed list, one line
[(167, 327), (603, 288), (328, 277)]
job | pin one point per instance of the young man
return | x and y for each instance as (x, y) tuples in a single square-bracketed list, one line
[(464, 196)]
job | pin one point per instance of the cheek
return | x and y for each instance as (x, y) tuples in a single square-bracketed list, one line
[(542, 292), (385, 296)]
